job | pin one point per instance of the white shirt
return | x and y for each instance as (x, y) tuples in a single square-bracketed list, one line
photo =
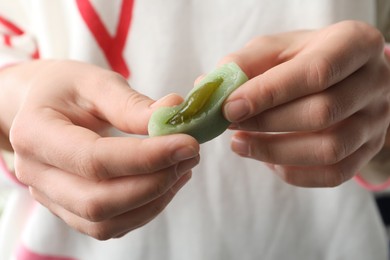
[(233, 208)]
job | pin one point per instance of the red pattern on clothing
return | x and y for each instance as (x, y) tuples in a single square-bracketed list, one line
[(358, 178), (23, 253), (387, 50), (112, 46), (14, 30), (7, 39)]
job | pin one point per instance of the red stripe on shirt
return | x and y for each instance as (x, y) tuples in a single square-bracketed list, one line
[(7, 39), (35, 55), (23, 253), (112, 46), (11, 26), (14, 30), (387, 50)]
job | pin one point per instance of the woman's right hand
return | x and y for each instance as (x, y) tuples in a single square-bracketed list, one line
[(57, 113)]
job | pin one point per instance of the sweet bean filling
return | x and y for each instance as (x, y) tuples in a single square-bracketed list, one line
[(195, 103)]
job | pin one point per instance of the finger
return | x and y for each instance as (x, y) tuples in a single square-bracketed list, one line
[(328, 175), (81, 151), (115, 226), (167, 101), (97, 201), (127, 109), (140, 156), (319, 110), (265, 52), (108, 96), (104, 95), (324, 147), (312, 70)]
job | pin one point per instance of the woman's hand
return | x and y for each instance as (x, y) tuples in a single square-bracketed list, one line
[(317, 106), (101, 186)]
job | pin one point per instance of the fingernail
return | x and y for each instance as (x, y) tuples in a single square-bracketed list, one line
[(240, 146), (184, 153), (172, 98), (236, 110), (186, 166)]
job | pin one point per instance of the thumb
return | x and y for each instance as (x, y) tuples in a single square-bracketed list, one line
[(169, 100), (128, 110)]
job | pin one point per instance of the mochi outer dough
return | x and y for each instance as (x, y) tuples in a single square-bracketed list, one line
[(209, 122)]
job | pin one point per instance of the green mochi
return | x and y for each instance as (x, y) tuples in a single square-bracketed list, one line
[(200, 115)]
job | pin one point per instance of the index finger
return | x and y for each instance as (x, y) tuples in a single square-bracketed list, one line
[(329, 56), (81, 151)]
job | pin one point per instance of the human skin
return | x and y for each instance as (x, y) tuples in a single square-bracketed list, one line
[(57, 116), (323, 94)]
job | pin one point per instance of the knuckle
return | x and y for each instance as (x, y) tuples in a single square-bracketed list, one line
[(157, 208), (19, 137), (90, 168), (371, 38), (288, 175), (132, 100), (159, 205), (150, 162), (271, 97), (162, 185), (89, 164), (333, 177), (320, 72), (92, 209), (331, 150), (290, 178), (266, 89), (322, 113), (371, 34), (376, 39), (22, 171), (263, 152), (96, 171), (375, 146), (100, 231)]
